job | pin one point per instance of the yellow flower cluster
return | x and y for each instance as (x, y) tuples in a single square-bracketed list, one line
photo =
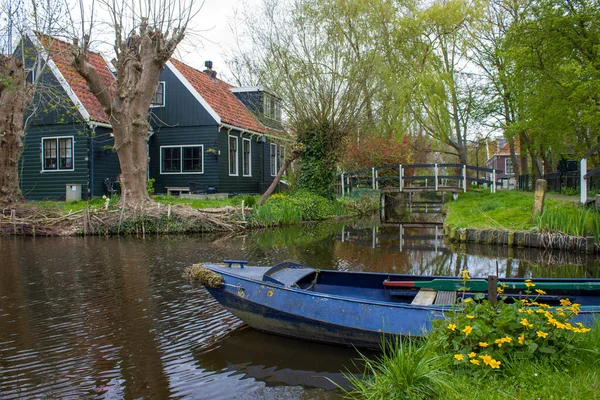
[(501, 341), (486, 358)]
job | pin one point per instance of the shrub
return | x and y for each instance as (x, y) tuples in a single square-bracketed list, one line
[(482, 336)]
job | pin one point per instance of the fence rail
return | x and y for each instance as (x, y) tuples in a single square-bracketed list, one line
[(412, 178)]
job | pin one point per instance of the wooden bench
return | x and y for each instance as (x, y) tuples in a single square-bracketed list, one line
[(176, 189)]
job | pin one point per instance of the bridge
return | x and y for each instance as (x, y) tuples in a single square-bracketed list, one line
[(413, 178)]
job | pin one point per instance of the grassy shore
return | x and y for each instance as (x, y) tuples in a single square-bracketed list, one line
[(511, 211)]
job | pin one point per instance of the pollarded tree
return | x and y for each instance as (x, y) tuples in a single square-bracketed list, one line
[(145, 36), (18, 105)]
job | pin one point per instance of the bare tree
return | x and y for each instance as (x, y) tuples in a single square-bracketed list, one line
[(145, 36)]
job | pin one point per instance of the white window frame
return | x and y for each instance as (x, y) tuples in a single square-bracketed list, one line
[(249, 172), (30, 75), (506, 161), (181, 147), (58, 169), (237, 166), (281, 157), (273, 156), (164, 95)]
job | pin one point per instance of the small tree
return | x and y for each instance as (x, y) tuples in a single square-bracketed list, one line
[(145, 37)]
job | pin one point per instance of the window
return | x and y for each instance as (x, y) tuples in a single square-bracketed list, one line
[(57, 154), (247, 157), (182, 159), (273, 159), (30, 75), (159, 96), (508, 167), (233, 156), (281, 155), (272, 107)]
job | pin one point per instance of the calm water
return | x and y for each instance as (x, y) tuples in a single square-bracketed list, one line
[(113, 318)]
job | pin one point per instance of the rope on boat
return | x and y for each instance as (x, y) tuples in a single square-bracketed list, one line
[(204, 275), (314, 282)]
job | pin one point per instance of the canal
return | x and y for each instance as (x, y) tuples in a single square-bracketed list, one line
[(113, 318)]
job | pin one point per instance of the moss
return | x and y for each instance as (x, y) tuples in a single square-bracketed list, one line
[(204, 275)]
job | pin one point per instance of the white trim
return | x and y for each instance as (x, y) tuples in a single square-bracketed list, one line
[(43, 170), (193, 91), (237, 156), (59, 76), (249, 157), (251, 132), (164, 95), (271, 157), (506, 167), (180, 146)]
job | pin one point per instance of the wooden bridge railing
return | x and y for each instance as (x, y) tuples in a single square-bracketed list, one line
[(436, 177)]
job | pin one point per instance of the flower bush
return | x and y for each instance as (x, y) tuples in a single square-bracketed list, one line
[(480, 334)]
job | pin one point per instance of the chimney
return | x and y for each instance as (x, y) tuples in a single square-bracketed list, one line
[(209, 71)]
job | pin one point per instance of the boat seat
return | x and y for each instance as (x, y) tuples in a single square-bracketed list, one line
[(288, 276), (427, 297)]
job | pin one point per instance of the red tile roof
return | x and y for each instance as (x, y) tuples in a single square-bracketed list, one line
[(505, 149), (60, 53), (220, 98)]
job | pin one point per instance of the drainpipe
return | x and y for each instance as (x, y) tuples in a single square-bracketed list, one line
[(92, 158)]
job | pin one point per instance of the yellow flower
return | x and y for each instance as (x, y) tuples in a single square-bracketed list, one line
[(476, 362), (483, 344), (472, 354), (540, 291), (500, 290), (540, 311), (465, 274), (452, 327), (486, 359), (459, 357), (529, 311), (504, 285), (565, 302), (468, 300), (503, 340), (495, 364), (528, 283), (542, 334), (522, 339), (579, 324), (468, 329), (470, 316), (526, 323)]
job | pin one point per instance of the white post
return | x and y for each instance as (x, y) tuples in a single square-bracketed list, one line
[(343, 188), (373, 178), (382, 207), (343, 233), (401, 229), (243, 211), (400, 173), (494, 181), (464, 178), (583, 180), (435, 172), (376, 179)]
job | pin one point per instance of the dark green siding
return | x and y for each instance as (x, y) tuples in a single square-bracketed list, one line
[(241, 184), (105, 162), (181, 107), (201, 135), (38, 185)]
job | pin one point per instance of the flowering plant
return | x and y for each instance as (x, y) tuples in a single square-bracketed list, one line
[(481, 334)]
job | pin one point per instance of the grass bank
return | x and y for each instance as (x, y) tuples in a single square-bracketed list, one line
[(517, 350), (511, 211), (174, 215)]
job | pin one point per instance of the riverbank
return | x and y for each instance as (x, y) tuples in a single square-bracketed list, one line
[(505, 218), (173, 215)]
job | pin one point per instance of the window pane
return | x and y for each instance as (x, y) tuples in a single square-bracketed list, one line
[(50, 152), (171, 159), (66, 153), (233, 168), (273, 159), (159, 97), (246, 151), (192, 159)]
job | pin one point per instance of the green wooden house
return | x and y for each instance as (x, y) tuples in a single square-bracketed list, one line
[(207, 136)]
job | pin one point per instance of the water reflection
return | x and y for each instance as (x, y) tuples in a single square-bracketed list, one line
[(90, 317)]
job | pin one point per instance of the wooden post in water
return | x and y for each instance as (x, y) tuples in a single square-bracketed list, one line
[(492, 288)]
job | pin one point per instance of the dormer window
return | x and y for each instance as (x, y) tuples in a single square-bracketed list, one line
[(159, 96), (272, 107)]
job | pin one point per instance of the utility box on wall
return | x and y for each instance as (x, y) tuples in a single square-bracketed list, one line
[(73, 192)]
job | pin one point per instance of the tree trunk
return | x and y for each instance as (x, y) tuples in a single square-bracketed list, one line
[(296, 152), (15, 97)]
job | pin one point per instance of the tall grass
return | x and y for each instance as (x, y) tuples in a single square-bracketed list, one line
[(570, 220), (407, 369)]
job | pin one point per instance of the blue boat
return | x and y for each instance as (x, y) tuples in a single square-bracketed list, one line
[(360, 308)]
